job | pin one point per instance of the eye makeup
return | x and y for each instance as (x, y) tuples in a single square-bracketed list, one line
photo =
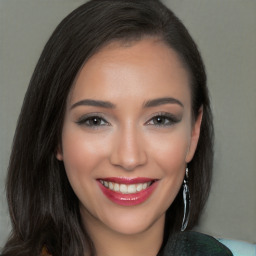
[(92, 120), (163, 119), (160, 119)]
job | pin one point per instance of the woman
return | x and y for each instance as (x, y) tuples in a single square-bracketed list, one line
[(113, 149)]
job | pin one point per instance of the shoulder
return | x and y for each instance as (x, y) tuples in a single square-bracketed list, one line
[(239, 248), (193, 243)]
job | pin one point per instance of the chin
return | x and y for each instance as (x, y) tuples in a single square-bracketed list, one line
[(133, 222)]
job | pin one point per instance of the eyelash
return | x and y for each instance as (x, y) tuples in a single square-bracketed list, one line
[(168, 118), (85, 120)]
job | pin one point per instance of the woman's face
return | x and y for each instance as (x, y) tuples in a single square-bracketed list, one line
[(128, 135)]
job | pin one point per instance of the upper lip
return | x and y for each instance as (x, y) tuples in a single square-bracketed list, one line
[(127, 180)]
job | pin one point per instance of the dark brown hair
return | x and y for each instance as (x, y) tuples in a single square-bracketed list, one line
[(43, 207)]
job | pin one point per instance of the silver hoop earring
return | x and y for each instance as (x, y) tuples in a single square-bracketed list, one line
[(186, 202)]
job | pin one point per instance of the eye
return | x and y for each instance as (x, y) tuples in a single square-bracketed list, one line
[(164, 119), (92, 121)]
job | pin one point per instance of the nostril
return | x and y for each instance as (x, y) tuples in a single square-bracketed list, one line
[(128, 152)]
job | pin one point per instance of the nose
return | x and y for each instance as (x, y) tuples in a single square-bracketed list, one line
[(129, 150)]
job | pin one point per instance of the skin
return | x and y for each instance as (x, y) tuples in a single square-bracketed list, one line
[(127, 141)]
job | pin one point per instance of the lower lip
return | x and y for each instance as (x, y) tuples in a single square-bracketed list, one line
[(128, 199)]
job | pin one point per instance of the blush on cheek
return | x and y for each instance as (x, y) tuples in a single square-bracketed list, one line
[(172, 154), (81, 149)]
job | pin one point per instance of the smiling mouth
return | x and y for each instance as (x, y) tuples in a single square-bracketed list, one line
[(126, 188), (127, 191)]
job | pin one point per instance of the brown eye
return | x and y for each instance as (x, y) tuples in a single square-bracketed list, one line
[(162, 120), (159, 120), (92, 121)]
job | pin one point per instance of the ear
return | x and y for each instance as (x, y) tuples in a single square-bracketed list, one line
[(195, 133), (59, 154)]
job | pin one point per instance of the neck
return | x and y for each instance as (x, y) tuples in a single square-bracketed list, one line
[(109, 242)]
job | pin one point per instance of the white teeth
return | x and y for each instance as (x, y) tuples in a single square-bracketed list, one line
[(144, 185), (116, 187), (111, 186), (139, 187), (131, 189), (125, 188), (105, 184)]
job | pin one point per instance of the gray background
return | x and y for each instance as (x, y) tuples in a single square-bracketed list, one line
[(225, 31)]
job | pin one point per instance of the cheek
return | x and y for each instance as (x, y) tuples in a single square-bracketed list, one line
[(171, 160), (169, 154), (170, 151), (81, 155)]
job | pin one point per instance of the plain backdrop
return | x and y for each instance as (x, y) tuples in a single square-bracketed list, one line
[(225, 31)]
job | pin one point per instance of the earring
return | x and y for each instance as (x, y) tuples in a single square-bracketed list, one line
[(186, 201)]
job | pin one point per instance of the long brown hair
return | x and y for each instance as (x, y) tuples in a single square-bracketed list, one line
[(43, 207)]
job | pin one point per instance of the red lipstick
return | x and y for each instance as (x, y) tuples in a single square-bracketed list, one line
[(142, 188), (126, 180)]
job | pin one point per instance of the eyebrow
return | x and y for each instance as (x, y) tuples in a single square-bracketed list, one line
[(94, 103), (107, 104), (161, 101)]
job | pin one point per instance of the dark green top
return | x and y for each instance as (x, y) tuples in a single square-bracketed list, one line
[(192, 243)]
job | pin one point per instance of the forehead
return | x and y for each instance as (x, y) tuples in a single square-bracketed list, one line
[(148, 64)]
